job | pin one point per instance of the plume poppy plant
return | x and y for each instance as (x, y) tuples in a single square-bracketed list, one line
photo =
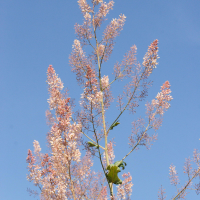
[(66, 172)]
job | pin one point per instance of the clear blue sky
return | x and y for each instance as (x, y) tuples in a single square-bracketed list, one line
[(37, 33)]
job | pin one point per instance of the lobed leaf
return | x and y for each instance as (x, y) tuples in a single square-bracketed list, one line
[(113, 170)]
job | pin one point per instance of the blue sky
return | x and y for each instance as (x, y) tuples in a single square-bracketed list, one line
[(37, 33)]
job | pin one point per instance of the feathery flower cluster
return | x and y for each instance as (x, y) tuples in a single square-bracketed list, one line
[(104, 82), (84, 32), (96, 2), (137, 89), (188, 167), (107, 94), (128, 66), (63, 173), (111, 155), (103, 11), (91, 95), (100, 50), (163, 98), (150, 58), (159, 105), (55, 86), (173, 175), (85, 8), (110, 33), (125, 189), (79, 62), (113, 29)]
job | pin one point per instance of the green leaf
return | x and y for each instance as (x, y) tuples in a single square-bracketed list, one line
[(112, 174), (113, 125), (120, 164), (91, 144), (113, 170)]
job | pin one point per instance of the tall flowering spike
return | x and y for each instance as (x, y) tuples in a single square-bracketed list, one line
[(114, 28), (53, 80), (30, 158), (124, 190), (103, 11), (63, 173), (129, 65), (173, 175), (188, 167), (91, 96), (79, 62), (84, 31), (55, 86), (84, 6), (150, 58), (37, 148), (159, 105), (162, 99), (110, 33)]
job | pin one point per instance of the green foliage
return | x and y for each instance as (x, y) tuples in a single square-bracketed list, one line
[(91, 144), (113, 125), (113, 170), (121, 164)]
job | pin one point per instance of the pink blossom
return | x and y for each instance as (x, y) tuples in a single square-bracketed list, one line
[(80, 64), (111, 155), (37, 148), (110, 33), (107, 95), (96, 2), (103, 11), (30, 158), (113, 29), (163, 98), (100, 50), (54, 173), (159, 105), (103, 195), (104, 81), (84, 6), (188, 167), (173, 175), (150, 58), (84, 31), (125, 189)]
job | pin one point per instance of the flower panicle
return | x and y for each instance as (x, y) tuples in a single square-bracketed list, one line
[(151, 57)]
